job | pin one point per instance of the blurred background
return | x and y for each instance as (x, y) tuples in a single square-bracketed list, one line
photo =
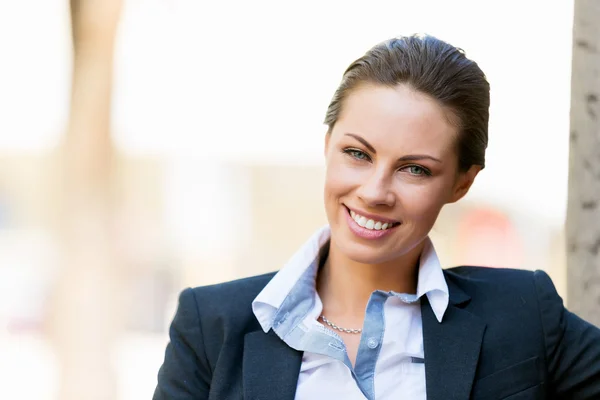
[(151, 145)]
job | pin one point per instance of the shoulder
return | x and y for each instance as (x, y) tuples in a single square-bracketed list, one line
[(510, 302), (503, 285), (250, 286), (228, 300), (239, 291), (514, 278), (483, 274)]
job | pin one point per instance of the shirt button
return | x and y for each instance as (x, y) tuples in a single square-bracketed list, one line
[(372, 343)]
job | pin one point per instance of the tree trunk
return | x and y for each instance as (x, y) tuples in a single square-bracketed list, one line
[(583, 214), (85, 316)]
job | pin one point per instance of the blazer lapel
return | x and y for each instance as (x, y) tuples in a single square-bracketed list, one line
[(270, 367), (451, 348)]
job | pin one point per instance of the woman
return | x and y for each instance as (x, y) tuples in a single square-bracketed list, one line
[(363, 310)]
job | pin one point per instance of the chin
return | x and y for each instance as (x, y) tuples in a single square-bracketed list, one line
[(368, 259), (393, 247), (364, 253)]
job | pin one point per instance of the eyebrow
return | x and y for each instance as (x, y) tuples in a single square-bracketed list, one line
[(411, 157), (363, 141)]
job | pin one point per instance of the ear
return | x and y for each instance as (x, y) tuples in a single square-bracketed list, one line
[(464, 182)]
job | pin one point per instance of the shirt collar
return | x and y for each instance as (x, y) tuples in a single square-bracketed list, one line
[(431, 281)]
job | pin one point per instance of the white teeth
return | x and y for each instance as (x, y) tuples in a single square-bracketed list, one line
[(369, 223)]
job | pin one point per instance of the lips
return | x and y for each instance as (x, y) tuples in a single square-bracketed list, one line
[(369, 226), (371, 221)]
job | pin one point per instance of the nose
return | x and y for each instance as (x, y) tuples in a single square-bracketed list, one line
[(376, 190)]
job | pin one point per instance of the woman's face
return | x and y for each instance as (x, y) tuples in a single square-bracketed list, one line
[(391, 166)]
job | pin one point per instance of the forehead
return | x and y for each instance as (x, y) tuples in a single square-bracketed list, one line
[(397, 117)]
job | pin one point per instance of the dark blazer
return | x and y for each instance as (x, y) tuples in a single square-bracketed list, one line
[(505, 335)]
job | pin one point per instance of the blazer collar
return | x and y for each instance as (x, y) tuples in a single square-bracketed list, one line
[(457, 296)]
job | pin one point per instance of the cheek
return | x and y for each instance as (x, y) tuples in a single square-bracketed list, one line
[(339, 180), (423, 203)]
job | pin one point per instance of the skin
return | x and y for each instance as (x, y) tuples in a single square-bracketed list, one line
[(390, 154)]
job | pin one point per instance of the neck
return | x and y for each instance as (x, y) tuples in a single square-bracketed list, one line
[(345, 286)]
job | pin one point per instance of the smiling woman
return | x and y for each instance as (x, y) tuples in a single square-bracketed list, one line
[(364, 310), (398, 164)]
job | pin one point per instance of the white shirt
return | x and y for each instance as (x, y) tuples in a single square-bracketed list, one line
[(390, 358)]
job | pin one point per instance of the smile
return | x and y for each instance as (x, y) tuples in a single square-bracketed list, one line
[(369, 226), (370, 223)]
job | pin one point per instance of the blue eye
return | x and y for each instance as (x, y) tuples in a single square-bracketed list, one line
[(417, 170), (357, 154)]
